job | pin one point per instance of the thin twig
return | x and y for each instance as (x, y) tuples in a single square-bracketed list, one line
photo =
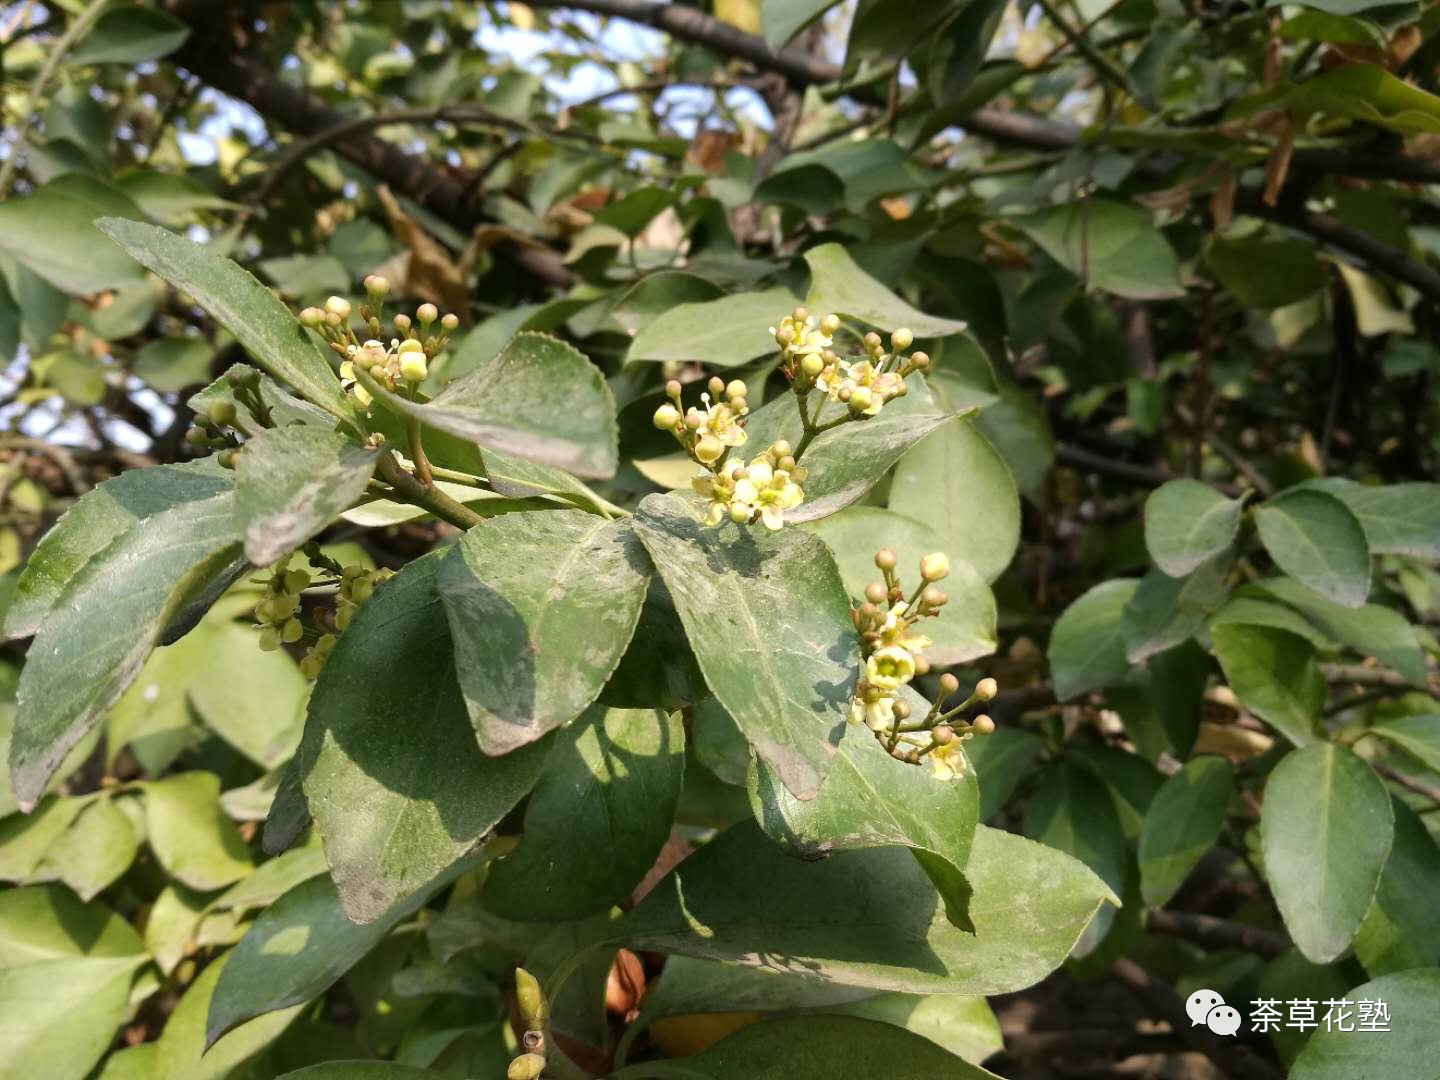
[(1101, 63), (1213, 933)]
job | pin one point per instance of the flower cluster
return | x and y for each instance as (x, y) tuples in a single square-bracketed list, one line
[(279, 612), (863, 386), (893, 650), (760, 491), (406, 359)]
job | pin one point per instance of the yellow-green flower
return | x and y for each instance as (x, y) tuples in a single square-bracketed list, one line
[(719, 421), (767, 491), (878, 715), (895, 630), (890, 667), (947, 762), (717, 490)]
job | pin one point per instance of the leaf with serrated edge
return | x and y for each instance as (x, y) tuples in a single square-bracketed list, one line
[(261, 323), (291, 482), (598, 817), (397, 785), (109, 618), (541, 608), (539, 399), (769, 621)]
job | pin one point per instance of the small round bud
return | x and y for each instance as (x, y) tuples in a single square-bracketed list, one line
[(875, 592), (666, 417), (672, 389), (942, 734), (949, 683), (413, 367), (228, 459), (311, 317), (800, 314), (739, 513), (933, 597), (787, 463), (197, 438), (409, 345), (427, 313), (526, 1067), (872, 342), (886, 559), (221, 413), (982, 724), (901, 710), (829, 324), (530, 998), (812, 365), (735, 389), (922, 665), (402, 323), (920, 361), (860, 399), (709, 449), (450, 322), (376, 286), (934, 566), (986, 689), (339, 307), (240, 377), (781, 448), (902, 339), (868, 612), (716, 385)]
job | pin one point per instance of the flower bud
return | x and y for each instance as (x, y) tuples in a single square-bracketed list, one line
[(901, 710), (376, 286), (800, 314), (526, 1067), (986, 689), (427, 313), (672, 389), (228, 459), (402, 323), (829, 324), (934, 566), (902, 339), (933, 597), (812, 365), (339, 307), (735, 389), (666, 417), (197, 438), (311, 317), (949, 683), (409, 345), (450, 323), (739, 513), (530, 998), (875, 592), (709, 449), (694, 419), (982, 724), (716, 386), (885, 559), (868, 612), (241, 377), (920, 361), (942, 734), (788, 463), (413, 367), (860, 399), (872, 342), (922, 665)]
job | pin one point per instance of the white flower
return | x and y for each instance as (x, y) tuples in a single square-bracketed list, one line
[(768, 491), (889, 667), (878, 715)]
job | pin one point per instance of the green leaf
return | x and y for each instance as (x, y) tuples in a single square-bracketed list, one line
[(273, 879), (60, 1015), (192, 840), (1399, 930), (1178, 678), (1001, 760), (1378, 631), (965, 1026), (184, 1049), (838, 285), (170, 198), (1275, 676), (1186, 523), (965, 629), (129, 35), (112, 613), (1406, 1049), (822, 1048), (781, 20), (1111, 245), (1418, 736), (769, 622), (52, 231), (264, 721), (871, 918), (1166, 611), (397, 785), (296, 950), (541, 608), (1325, 830), (1265, 273), (844, 463), (285, 409), (539, 399), (1183, 822), (870, 800), (291, 482), (598, 817), (1087, 644), (48, 922), (1315, 539), (260, 323), (171, 364), (1365, 92), (957, 484), (727, 332), (92, 854), (1398, 519)]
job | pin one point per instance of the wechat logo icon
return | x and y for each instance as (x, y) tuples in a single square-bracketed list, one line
[(1209, 1008)]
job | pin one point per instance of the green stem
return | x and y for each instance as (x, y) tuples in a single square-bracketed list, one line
[(52, 63), (417, 452), (429, 498), (455, 476), (819, 429)]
